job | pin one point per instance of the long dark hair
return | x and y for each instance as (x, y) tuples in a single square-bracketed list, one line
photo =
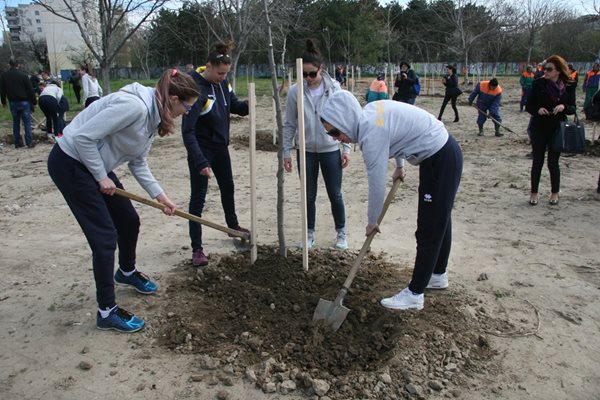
[(220, 54), (172, 83), (311, 54)]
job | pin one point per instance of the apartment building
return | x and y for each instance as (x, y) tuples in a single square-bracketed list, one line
[(27, 21)]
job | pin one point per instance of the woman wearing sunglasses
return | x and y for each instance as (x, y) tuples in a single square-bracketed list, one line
[(390, 129), (322, 151), (117, 128), (552, 99)]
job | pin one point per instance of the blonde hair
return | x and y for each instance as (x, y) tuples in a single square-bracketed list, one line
[(172, 83)]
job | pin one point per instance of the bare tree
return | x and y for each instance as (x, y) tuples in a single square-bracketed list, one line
[(471, 23), (104, 25), (535, 15), (232, 20), (280, 172), (139, 45)]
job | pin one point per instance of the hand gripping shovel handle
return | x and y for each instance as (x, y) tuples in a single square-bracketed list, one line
[(493, 119), (367, 244), (182, 214)]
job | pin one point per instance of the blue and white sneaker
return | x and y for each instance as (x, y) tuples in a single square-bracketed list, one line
[(139, 281), (119, 320)]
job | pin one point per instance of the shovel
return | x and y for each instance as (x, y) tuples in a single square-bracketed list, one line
[(232, 232), (493, 119), (334, 312)]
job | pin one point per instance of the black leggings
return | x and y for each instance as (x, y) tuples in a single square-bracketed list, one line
[(540, 141), (447, 98)]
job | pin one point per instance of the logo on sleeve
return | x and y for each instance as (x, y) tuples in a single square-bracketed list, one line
[(427, 198)]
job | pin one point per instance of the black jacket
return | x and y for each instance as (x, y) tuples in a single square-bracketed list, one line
[(451, 83), (405, 86), (539, 97), (207, 124), (16, 86)]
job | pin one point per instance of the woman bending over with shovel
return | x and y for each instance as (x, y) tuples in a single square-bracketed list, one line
[(388, 129), (115, 129)]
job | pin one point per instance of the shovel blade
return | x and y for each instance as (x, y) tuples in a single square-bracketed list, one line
[(333, 313)]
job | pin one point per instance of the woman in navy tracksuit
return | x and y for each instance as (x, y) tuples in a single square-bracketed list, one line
[(206, 137)]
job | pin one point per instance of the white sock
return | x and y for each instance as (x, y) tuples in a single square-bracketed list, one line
[(106, 313), (127, 273)]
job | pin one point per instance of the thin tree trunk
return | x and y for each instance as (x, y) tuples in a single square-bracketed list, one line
[(280, 172)]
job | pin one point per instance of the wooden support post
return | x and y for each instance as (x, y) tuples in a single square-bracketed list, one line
[(352, 81), (253, 225), (302, 145)]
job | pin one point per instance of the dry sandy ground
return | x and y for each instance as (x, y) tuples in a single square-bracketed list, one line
[(542, 260)]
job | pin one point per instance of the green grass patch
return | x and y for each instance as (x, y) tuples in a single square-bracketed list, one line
[(263, 88)]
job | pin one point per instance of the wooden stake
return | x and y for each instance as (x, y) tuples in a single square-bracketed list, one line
[(253, 225), (301, 143), (352, 81)]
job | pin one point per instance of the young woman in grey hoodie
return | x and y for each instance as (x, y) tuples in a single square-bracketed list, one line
[(389, 129), (321, 150), (116, 129)]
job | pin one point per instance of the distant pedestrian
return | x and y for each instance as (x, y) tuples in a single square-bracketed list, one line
[(526, 81), (49, 100), (591, 83), (75, 81), (16, 87), (340, 74), (405, 84), (539, 70), (450, 81), (489, 97), (574, 75), (91, 89), (377, 90)]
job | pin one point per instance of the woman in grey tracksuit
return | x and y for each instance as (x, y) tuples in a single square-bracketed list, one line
[(119, 128), (389, 129), (322, 151)]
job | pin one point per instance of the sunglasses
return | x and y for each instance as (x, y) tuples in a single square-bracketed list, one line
[(187, 107), (549, 69), (312, 74), (334, 132)]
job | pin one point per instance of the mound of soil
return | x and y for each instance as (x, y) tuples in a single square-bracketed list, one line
[(264, 141), (256, 322)]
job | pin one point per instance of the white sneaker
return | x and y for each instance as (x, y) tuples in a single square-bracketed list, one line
[(340, 241), (405, 300), (438, 281), (310, 240)]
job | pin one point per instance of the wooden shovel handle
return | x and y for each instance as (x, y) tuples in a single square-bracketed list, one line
[(182, 214), (367, 244)]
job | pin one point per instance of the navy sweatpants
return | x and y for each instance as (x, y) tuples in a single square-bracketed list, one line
[(220, 163), (439, 178), (106, 221)]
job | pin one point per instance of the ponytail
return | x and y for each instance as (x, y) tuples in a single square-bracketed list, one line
[(220, 54), (172, 83)]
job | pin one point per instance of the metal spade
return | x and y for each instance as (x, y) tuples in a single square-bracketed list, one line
[(334, 312)]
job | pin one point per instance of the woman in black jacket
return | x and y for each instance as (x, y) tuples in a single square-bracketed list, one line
[(205, 131), (552, 99), (452, 91)]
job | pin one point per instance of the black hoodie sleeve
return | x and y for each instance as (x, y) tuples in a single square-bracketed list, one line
[(237, 106), (188, 131)]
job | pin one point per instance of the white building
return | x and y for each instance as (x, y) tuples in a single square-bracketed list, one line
[(28, 21)]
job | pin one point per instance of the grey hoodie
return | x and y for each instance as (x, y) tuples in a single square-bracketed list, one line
[(315, 138), (385, 129), (117, 128)]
